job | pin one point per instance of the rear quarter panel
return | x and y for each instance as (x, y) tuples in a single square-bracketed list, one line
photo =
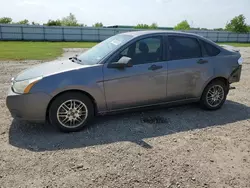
[(223, 66)]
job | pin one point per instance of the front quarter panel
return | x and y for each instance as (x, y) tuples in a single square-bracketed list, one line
[(88, 79)]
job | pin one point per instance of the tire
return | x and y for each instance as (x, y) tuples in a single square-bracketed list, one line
[(206, 98), (71, 107)]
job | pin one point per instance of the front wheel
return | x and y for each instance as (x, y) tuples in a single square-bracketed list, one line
[(71, 111), (214, 95)]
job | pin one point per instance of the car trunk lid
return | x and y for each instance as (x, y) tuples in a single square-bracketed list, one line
[(230, 48)]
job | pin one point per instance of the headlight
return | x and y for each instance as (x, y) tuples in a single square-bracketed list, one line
[(25, 85)]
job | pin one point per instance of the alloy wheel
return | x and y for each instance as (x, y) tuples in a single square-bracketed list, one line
[(72, 113), (215, 95)]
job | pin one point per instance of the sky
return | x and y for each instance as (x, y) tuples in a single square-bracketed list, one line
[(166, 13)]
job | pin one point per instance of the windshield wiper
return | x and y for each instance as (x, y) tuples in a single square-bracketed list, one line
[(75, 58)]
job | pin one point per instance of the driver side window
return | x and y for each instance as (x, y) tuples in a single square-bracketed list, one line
[(143, 51)]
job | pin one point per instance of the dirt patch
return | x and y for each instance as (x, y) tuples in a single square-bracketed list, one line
[(171, 147)]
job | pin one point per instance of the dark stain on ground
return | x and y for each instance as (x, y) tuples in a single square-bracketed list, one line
[(154, 119)]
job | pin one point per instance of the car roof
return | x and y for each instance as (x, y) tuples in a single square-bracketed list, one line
[(147, 32)]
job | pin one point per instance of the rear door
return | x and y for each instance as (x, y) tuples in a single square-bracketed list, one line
[(188, 70)]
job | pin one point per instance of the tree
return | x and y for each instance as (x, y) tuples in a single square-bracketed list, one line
[(5, 20), (141, 26), (98, 24), (153, 26), (69, 20), (184, 25), (145, 26), (23, 22), (237, 24), (54, 23)]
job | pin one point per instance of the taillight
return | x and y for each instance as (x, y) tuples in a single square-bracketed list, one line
[(240, 61)]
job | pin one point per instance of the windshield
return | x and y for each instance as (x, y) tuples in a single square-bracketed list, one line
[(98, 52)]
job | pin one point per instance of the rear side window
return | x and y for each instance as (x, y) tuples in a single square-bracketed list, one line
[(183, 47), (209, 49)]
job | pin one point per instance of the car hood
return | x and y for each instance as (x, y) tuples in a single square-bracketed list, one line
[(49, 68)]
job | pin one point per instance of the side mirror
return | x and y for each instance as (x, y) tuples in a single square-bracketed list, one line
[(122, 63)]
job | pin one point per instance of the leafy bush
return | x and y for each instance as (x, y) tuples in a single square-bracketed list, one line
[(154, 26), (5, 20), (145, 26), (54, 23), (23, 22), (69, 20), (98, 24), (184, 25)]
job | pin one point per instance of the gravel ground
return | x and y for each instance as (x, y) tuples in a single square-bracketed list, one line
[(182, 146)]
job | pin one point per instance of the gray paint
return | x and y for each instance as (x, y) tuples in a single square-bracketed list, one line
[(113, 89), (47, 69), (138, 84), (30, 107), (58, 33)]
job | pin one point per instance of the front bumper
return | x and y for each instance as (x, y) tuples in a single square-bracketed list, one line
[(31, 107)]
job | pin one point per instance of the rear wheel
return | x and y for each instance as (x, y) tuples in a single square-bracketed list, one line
[(214, 95), (71, 111)]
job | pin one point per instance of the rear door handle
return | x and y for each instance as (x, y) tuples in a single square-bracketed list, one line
[(154, 67), (202, 61)]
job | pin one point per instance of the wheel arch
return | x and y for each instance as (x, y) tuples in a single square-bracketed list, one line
[(220, 78), (72, 90)]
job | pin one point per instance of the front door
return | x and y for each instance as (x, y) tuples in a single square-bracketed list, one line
[(142, 84)]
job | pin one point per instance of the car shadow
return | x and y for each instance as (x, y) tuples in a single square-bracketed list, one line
[(130, 126)]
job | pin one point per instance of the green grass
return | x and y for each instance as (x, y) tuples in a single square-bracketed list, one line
[(236, 44), (18, 50)]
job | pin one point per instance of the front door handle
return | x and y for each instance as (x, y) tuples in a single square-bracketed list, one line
[(154, 67), (202, 61)]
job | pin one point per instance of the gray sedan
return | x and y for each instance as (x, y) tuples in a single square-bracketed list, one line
[(126, 71)]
